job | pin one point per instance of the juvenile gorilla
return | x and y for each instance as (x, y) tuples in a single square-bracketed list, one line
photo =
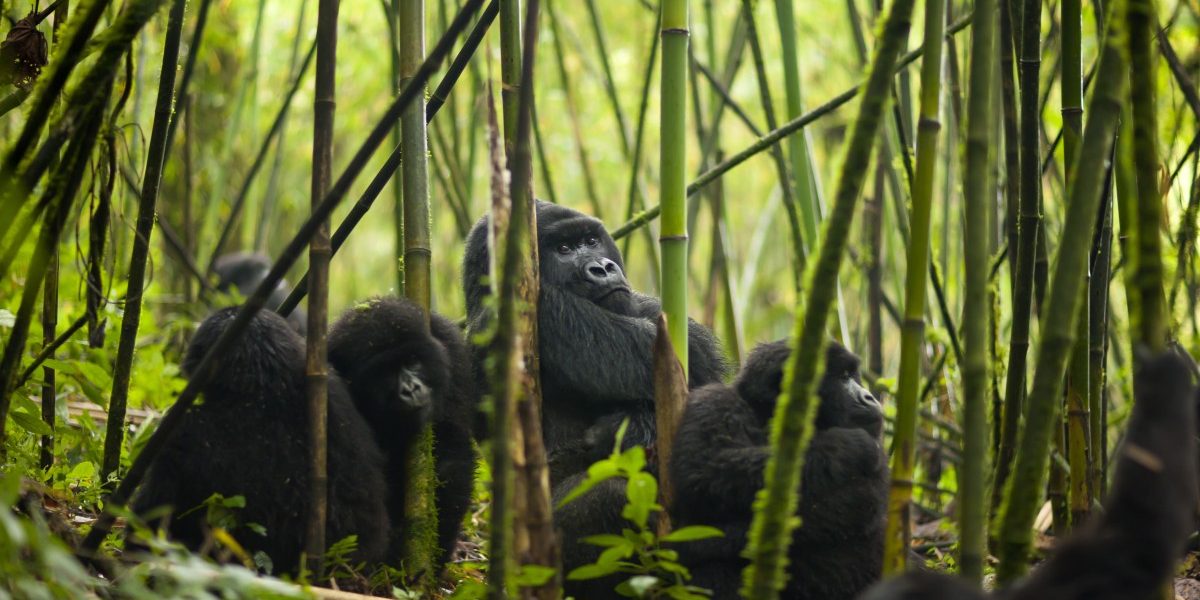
[(1129, 551), (401, 376), (717, 466), (595, 336), (243, 271), (249, 437)]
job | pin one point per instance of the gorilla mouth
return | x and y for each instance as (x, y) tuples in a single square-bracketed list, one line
[(609, 293)]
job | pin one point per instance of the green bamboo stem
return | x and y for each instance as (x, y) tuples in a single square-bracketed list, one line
[(912, 331), (420, 542), (610, 84), (773, 137), (316, 366), (775, 508), (270, 196), (356, 213), (807, 192), (510, 70), (794, 192), (1078, 417), (1097, 344), (156, 156), (1062, 309), (1153, 326), (1028, 225), (564, 77), (239, 201), (635, 196), (978, 196), (392, 11), (673, 236)]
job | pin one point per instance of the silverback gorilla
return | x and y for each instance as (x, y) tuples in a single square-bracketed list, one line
[(717, 466), (249, 435), (1129, 551), (595, 336)]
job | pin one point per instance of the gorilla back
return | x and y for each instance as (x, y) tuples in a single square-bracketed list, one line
[(249, 437)]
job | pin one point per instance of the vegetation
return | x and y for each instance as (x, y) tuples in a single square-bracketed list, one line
[(997, 149)]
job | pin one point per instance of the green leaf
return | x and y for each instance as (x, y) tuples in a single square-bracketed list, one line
[(632, 460), (533, 575), (642, 491), (83, 470), (692, 533), (596, 474), (606, 540), (30, 423), (594, 571)]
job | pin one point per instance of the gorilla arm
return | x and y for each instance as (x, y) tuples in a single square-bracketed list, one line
[(1132, 548), (602, 356)]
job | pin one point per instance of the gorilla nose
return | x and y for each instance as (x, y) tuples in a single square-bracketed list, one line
[(600, 270)]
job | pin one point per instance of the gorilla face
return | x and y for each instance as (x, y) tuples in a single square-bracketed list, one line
[(578, 255), (844, 400), (855, 405)]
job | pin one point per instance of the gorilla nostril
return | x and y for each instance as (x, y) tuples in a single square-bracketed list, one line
[(597, 271)]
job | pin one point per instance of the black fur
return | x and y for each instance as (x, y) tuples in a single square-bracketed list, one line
[(243, 271), (1129, 551), (248, 436), (595, 336), (717, 467), (403, 374)]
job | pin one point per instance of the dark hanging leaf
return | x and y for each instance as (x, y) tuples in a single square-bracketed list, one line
[(23, 53)]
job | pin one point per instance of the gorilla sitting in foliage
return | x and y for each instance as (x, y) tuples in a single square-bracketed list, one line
[(243, 271), (717, 466), (1129, 551), (402, 377), (249, 435), (595, 336)]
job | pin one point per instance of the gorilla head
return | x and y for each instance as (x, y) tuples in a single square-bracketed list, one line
[(844, 400), (243, 271), (577, 255), (392, 363)]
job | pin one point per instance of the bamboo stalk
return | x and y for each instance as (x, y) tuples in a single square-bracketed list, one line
[(1153, 325), (791, 430), (978, 196), (1063, 300), (1078, 426), (564, 77), (673, 236), (798, 198), (1028, 225), (420, 542), (291, 252), (383, 176), (807, 191), (912, 331), (151, 182), (239, 201), (1097, 342), (773, 137), (316, 367)]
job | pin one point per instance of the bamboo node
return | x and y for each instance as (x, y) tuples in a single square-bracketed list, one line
[(673, 238), (929, 124), (675, 31), (1072, 110)]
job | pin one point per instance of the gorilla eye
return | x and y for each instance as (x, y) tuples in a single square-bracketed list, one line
[(564, 249), (592, 241)]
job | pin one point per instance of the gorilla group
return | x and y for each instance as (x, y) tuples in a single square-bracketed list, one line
[(248, 436)]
